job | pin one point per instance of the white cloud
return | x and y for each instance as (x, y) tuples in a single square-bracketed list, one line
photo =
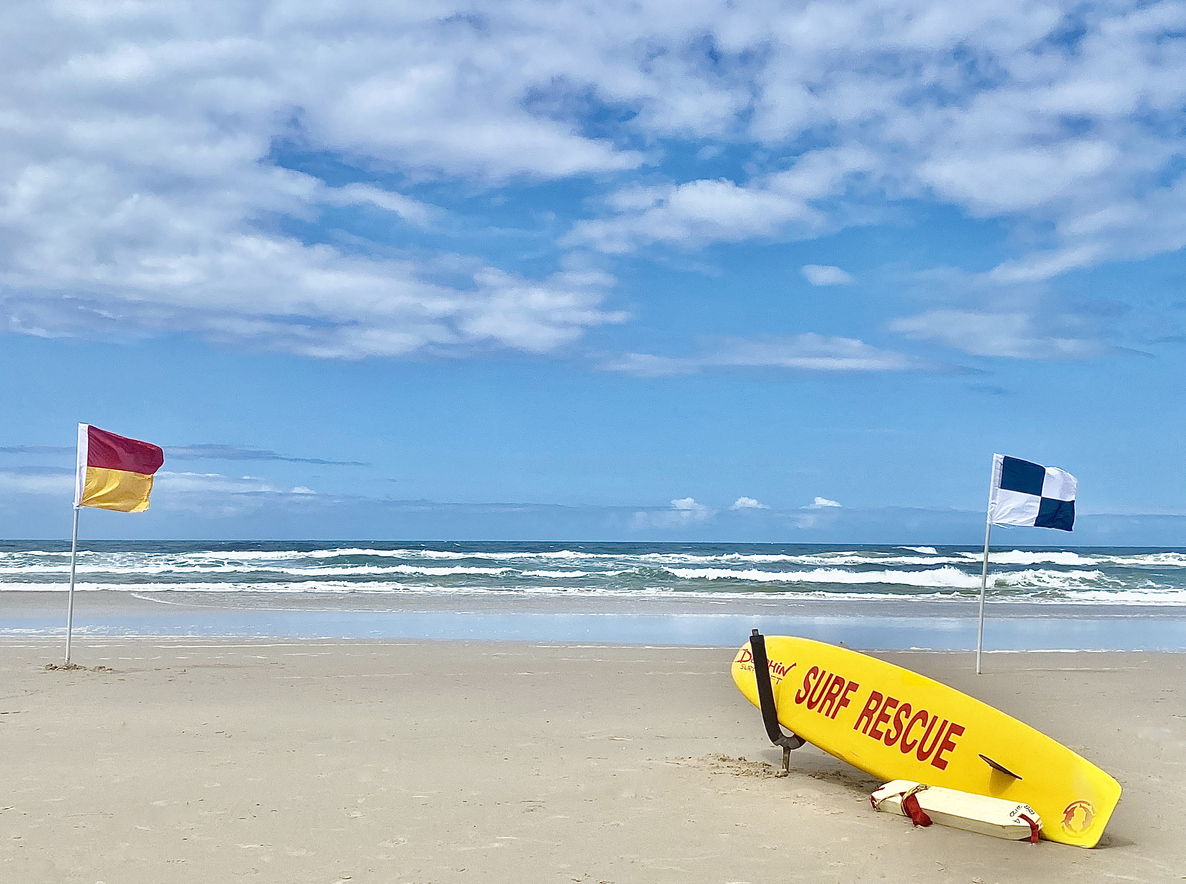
[(812, 352), (140, 193), (699, 212), (412, 211), (55, 482), (1017, 180), (805, 353), (1003, 111), (169, 488), (684, 511), (694, 214), (224, 496), (170, 483), (143, 187), (279, 294), (824, 274), (820, 513), (1012, 334), (748, 503), (647, 365)]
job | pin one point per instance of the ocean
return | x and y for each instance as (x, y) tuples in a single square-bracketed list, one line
[(702, 593)]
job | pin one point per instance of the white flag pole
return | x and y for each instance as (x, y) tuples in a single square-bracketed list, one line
[(70, 605), (79, 487), (983, 584), (992, 487)]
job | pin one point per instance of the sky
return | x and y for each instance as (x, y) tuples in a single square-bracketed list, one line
[(751, 271)]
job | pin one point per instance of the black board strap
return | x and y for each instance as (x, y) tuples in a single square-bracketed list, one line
[(757, 644)]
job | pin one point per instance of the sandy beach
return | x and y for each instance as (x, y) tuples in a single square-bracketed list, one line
[(328, 761)]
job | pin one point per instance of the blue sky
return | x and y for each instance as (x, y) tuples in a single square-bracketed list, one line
[(749, 271)]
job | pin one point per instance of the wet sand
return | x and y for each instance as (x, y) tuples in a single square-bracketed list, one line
[(200, 760), (948, 624)]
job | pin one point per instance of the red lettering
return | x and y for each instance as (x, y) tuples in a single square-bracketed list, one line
[(891, 703), (907, 745), (844, 699), (802, 693), (947, 745), (781, 670), (817, 693), (829, 703), (922, 753), (899, 724), (870, 710), (745, 657)]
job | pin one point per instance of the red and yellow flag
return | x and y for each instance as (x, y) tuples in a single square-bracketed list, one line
[(114, 472)]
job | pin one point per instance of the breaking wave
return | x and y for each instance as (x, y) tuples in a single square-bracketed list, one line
[(1087, 576)]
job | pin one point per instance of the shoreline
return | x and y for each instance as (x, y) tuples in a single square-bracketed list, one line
[(510, 616), (454, 761)]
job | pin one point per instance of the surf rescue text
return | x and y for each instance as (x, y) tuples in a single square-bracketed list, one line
[(884, 718)]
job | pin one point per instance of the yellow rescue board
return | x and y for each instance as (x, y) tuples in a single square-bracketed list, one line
[(895, 724)]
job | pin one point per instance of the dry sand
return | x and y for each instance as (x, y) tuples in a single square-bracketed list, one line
[(324, 761)]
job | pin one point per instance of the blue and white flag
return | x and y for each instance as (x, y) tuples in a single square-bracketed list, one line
[(1030, 494)]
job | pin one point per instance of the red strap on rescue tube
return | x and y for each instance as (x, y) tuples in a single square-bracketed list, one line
[(1033, 828), (917, 815)]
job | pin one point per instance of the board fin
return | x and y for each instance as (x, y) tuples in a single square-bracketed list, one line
[(996, 765), (757, 643)]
